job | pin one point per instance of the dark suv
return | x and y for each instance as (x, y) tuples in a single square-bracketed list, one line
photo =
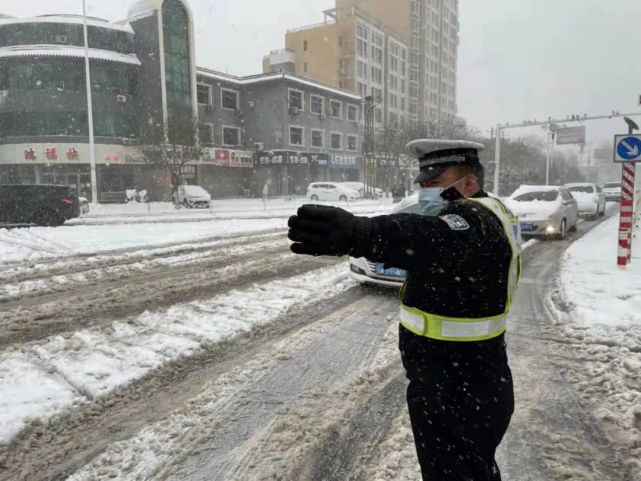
[(46, 205)]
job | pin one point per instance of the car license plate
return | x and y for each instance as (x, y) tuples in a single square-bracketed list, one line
[(527, 227), (390, 272)]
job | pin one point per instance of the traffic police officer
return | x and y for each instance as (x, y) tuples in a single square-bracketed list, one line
[(462, 259)]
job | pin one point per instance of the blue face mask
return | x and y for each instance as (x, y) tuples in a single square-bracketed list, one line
[(430, 201)]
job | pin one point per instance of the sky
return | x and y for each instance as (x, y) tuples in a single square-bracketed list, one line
[(518, 60)]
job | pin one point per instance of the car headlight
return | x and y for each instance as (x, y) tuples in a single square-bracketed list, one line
[(550, 229), (357, 270)]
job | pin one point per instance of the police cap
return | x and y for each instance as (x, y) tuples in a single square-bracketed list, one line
[(436, 155)]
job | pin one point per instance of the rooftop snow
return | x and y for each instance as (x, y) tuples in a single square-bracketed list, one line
[(66, 51), (73, 19), (273, 76)]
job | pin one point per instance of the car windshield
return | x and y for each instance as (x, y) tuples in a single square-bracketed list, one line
[(587, 189), (537, 196), (216, 262), (195, 190)]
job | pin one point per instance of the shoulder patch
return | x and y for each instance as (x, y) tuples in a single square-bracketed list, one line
[(455, 222)]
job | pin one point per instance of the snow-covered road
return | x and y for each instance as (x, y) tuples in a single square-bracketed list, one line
[(227, 358)]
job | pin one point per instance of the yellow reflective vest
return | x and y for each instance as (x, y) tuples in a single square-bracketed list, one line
[(461, 329)]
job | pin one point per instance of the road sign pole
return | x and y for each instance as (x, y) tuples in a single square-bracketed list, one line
[(626, 220)]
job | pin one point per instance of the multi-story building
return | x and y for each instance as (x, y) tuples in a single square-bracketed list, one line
[(403, 53), (145, 89), (297, 130)]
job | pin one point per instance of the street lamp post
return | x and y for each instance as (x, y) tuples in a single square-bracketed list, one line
[(497, 159), (92, 147)]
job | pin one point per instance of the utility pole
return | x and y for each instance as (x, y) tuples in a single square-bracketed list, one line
[(92, 147), (497, 158), (368, 146)]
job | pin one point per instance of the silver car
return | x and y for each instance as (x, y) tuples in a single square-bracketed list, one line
[(589, 197), (544, 211)]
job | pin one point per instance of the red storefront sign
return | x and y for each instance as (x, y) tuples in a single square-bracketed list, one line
[(51, 153), (72, 154), (30, 154)]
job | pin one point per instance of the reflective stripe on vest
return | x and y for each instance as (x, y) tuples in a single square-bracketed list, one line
[(457, 329)]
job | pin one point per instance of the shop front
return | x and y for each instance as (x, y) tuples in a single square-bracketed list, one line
[(344, 168), (68, 164), (226, 173), (290, 172)]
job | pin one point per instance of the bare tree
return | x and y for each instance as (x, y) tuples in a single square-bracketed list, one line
[(174, 157)]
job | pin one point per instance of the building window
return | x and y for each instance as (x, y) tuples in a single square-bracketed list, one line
[(295, 99), (206, 134), (229, 99), (305, 45), (378, 116), (361, 47), (340, 41), (393, 101), (336, 141), (316, 104), (335, 108), (361, 89), (296, 135), (204, 94), (352, 113), (352, 141), (231, 136), (377, 94), (318, 139), (361, 69), (305, 67), (377, 75)]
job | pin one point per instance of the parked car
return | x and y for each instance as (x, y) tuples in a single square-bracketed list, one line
[(330, 191), (547, 211), (589, 197), (45, 205), (360, 188), (368, 272), (84, 205), (193, 196), (612, 191)]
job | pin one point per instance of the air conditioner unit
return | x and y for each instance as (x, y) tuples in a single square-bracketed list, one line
[(121, 98), (259, 146), (209, 107), (294, 110), (60, 38)]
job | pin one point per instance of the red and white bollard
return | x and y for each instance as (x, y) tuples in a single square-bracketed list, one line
[(626, 220)]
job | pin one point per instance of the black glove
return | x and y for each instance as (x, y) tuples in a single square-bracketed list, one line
[(324, 231)]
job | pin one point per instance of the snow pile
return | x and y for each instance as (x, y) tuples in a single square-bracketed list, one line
[(92, 363), (37, 243), (599, 292), (602, 328)]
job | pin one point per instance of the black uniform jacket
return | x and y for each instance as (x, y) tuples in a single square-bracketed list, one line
[(457, 262)]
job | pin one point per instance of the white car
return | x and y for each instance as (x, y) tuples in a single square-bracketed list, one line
[(544, 211), (84, 205), (367, 272), (612, 191), (360, 188), (330, 191), (193, 196), (590, 198)]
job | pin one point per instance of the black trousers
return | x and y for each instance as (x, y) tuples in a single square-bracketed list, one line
[(460, 400)]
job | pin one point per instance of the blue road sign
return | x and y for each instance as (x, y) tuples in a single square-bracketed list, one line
[(627, 148)]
